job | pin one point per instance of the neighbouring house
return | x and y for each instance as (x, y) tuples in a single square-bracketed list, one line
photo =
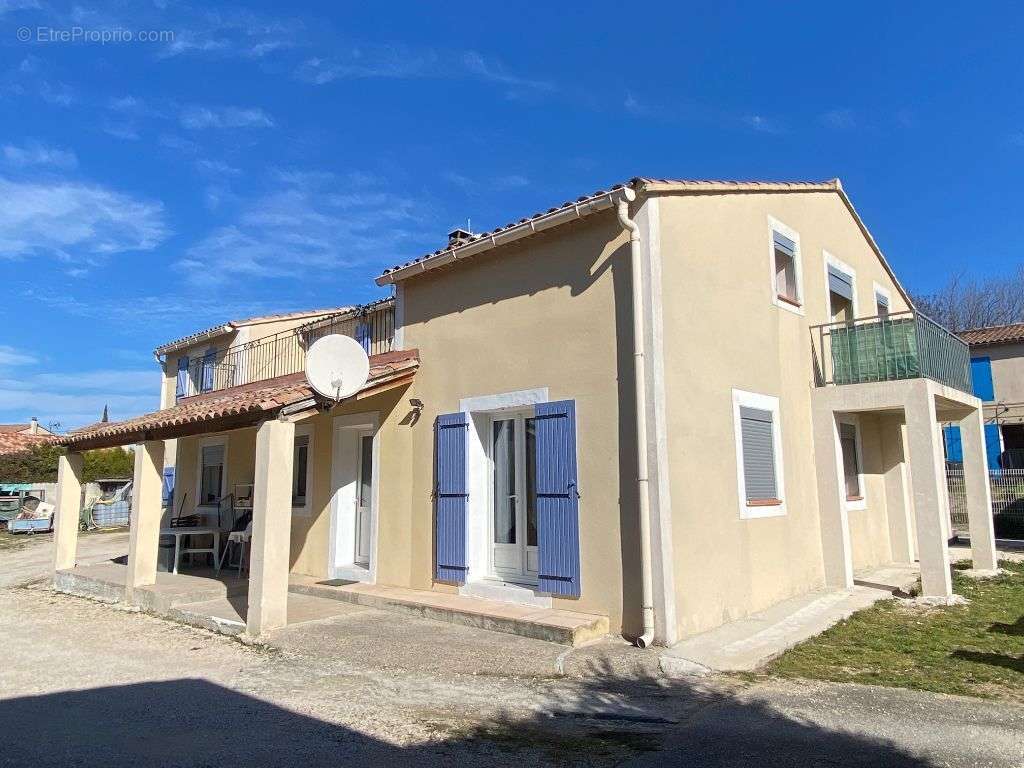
[(669, 404), (997, 375), (18, 438)]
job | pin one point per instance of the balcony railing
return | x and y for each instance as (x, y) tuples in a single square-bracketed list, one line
[(284, 353), (903, 345)]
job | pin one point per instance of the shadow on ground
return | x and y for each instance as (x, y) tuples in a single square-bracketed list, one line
[(190, 722)]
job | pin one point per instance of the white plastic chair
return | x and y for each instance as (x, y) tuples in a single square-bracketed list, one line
[(241, 539)]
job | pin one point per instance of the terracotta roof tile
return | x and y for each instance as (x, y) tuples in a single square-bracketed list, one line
[(19, 442), (997, 334), (259, 399)]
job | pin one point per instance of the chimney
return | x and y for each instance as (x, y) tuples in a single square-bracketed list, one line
[(33, 426), (459, 236)]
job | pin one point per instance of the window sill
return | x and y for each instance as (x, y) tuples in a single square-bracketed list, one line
[(764, 503), (855, 498), (789, 301)]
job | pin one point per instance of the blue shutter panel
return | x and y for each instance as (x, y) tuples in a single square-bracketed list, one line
[(181, 389), (558, 525), (954, 448), (981, 378), (450, 497), (993, 447), (364, 336), (168, 486), (208, 363)]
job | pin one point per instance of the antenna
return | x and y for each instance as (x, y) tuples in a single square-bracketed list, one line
[(337, 366)]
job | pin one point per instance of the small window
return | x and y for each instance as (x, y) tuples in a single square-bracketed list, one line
[(300, 471), (787, 286), (851, 462), (211, 475), (759, 473), (881, 304)]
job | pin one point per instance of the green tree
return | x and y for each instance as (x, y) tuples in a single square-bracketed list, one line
[(39, 464)]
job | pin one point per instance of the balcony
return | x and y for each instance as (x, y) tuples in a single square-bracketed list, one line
[(284, 353), (903, 345)]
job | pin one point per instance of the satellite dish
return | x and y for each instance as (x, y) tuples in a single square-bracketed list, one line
[(337, 366)]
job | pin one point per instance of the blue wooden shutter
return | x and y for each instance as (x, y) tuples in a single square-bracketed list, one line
[(981, 378), (450, 496), (993, 447), (168, 486), (840, 282), (208, 363), (181, 389), (954, 448), (558, 524), (364, 335)]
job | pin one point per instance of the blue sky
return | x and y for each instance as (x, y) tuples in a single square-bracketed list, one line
[(255, 158)]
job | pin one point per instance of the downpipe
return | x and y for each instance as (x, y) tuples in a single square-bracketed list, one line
[(640, 380)]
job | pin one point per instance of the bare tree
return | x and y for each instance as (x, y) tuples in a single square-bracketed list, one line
[(970, 303)]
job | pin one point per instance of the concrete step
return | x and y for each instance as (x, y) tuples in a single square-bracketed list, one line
[(549, 624), (103, 582)]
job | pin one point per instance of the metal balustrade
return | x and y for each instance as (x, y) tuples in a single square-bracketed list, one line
[(284, 353), (903, 345)]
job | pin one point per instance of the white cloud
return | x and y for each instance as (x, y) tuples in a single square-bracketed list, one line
[(230, 33), (196, 117), (762, 124), (840, 119), (34, 153), (9, 356), (496, 184), (6, 6), (75, 221), (303, 224), (58, 94)]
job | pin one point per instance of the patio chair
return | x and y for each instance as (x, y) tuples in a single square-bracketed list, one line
[(239, 539)]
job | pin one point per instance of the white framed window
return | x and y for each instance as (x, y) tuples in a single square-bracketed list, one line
[(302, 471), (759, 472), (211, 471), (840, 289), (787, 279), (851, 452), (883, 300)]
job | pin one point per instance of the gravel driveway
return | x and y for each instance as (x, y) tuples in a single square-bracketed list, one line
[(83, 683)]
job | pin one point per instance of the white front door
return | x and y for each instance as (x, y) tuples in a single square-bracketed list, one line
[(364, 499), (513, 498)]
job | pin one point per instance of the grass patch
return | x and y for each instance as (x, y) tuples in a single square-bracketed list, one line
[(971, 650), (9, 541)]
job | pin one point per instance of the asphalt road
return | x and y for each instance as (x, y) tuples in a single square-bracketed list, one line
[(86, 684)]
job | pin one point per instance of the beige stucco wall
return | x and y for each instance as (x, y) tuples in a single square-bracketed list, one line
[(551, 312), (1007, 379), (869, 527), (723, 331)]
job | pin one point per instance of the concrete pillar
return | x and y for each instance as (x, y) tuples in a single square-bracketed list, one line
[(144, 536), (271, 528), (897, 490), (928, 463), (835, 530), (65, 518), (978, 492)]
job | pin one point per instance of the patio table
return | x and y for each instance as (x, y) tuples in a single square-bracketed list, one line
[(180, 532)]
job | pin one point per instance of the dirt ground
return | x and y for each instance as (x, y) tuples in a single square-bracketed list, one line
[(89, 684)]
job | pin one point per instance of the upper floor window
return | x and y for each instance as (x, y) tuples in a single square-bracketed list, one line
[(787, 282), (842, 294)]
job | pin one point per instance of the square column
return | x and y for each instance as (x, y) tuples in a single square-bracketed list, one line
[(897, 490), (69, 503), (978, 493), (271, 528), (835, 530), (929, 493), (144, 536)]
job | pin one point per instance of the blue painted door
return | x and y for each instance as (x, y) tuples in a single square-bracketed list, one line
[(450, 497), (558, 526), (209, 359)]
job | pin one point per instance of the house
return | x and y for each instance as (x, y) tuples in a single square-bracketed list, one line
[(18, 438), (997, 374), (668, 404)]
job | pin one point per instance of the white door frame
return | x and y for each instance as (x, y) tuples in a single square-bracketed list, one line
[(345, 434)]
